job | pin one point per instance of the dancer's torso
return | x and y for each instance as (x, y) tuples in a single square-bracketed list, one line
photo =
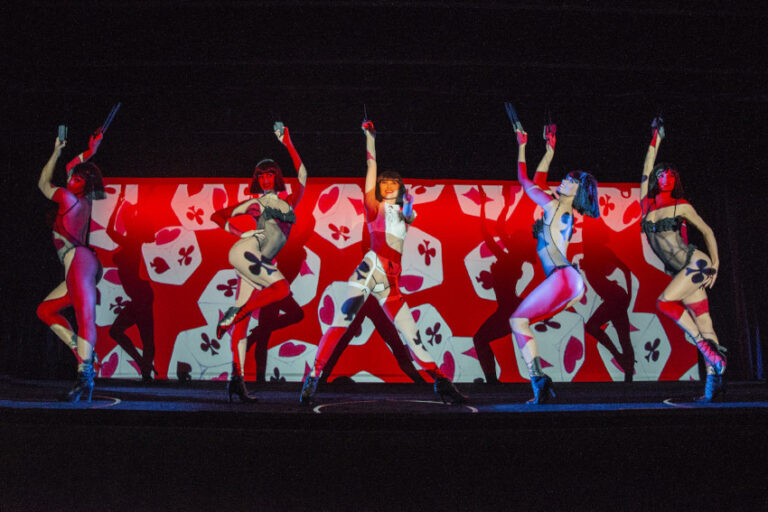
[(70, 229), (387, 228), (552, 239), (276, 217), (665, 233)]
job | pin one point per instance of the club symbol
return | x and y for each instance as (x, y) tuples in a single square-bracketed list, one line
[(195, 214), (435, 337), (652, 349), (607, 204), (700, 273), (211, 344), (228, 288), (255, 269), (546, 324), (185, 254), (427, 251), (119, 305), (339, 232), (485, 279)]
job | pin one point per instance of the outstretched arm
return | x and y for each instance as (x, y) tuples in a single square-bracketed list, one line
[(93, 146), (540, 178), (221, 217), (689, 213), (371, 168), (657, 127), (283, 135), (535, 192), (44, 183)]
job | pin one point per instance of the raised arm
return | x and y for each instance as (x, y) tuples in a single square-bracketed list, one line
[(689, 213), (371, 167), (657, 127), (533, 191), (540, 178), (490, 243), (44, 183), (93, 146), (283, 135)]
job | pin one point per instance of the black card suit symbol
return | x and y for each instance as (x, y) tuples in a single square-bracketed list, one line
[(211, 344), (652, 349)]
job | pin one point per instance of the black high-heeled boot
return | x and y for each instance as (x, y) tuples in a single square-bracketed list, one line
[(445, 388), (541, 383), (236, 386), (83, 384), (308, 390)]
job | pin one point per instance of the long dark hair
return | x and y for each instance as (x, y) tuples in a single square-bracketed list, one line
[(267, 165), (94, 184), (390, 175), (586, 202), (653, 181)]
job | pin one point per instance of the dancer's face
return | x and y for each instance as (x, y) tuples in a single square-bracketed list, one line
[(389, 188), (568, 187), (76, 184), (666, 179), (267, 181)]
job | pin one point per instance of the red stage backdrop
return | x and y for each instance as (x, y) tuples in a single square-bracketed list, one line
[(465, 268)]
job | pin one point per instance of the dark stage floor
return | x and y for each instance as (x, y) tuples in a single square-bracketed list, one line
[(167, 446)]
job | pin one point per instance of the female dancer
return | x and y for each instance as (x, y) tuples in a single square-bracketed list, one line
[(82, 269), (259, 281), (563, 285), (665, 213), (388, 212)]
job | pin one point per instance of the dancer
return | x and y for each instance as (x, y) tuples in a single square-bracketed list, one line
[(388, 212), (82, 269), (563, 285), (260, 283), (665, 214), (133, 276)]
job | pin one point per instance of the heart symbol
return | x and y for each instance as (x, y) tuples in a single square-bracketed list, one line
[(112, 276), (194, 189), (574, 351), (449, 365), (167, 235), (289, 349), (471, 353), (109, 366), (411, 283), (328, 199), (485, 251), (327, 310), (416, 314), (223, 376), (219, 199), (632, 212)]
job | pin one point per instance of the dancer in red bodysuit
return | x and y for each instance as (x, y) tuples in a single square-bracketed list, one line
[(665, 214), (563, 285), (260, 283), (388, 212), (82, 269)]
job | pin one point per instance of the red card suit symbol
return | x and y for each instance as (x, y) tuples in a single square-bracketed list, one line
[(194, 189), (159, 264), (474, 196), (219, 199), (416, 314), (632, 212), (326, 311), (166, 236), (411, 283), (304, 270), (328, 199), (109, 366), (289, 349), (449, 365), (112, 276), (574, 351)]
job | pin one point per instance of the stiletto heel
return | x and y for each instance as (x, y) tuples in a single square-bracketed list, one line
[(543, 390), (236, 386), (445, 389), (307, 396)]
